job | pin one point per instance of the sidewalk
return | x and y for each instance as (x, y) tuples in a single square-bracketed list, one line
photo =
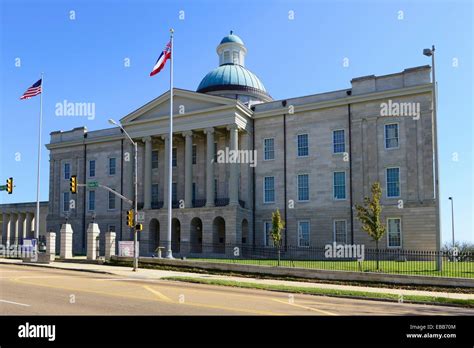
[(153, 274)]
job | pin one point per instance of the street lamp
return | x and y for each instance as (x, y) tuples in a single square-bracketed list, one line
[(135, 234), (452, 216), (430, 52)]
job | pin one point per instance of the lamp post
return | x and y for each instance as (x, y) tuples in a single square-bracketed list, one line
[(430, 52), (452, 216), (135, 234)]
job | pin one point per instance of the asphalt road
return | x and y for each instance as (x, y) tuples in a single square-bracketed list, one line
[(40, 291)]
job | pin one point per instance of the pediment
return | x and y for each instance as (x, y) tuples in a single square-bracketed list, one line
[(184, 102)]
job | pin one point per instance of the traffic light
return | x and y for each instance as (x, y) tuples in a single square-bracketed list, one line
[(10, 186), (73, 184), (139, 227), (130, 219)]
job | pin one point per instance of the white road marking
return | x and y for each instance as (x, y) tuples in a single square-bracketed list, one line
[(16, 303)]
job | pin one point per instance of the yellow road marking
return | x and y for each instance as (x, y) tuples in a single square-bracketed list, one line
[(305, 307), (159, 294), (142, 298)]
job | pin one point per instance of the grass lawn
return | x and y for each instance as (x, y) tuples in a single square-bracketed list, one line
[(328, 292), (450, 269)]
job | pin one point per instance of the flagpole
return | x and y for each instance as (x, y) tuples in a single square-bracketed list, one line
[(38, 171), (169, 253)]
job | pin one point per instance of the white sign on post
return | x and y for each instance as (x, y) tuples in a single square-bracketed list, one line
[(126, 248), (141, 216)]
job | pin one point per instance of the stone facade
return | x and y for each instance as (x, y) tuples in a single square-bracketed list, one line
[(228, 215)]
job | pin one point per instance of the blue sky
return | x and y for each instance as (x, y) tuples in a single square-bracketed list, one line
[(83, 61)]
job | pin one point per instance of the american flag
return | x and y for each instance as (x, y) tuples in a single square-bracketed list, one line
[(34, 90)]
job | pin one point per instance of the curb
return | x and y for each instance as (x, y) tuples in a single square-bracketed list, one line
[(55, 267)]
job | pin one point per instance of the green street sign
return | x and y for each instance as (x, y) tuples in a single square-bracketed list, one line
[(3, 187), (92, 184)]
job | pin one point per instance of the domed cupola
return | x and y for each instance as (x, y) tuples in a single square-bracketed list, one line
[(231, 79)]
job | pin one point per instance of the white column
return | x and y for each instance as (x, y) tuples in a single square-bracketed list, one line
[(188, 169), (234, 167), (22, 224), (51, 245), (165, 172), (109, 245), (93, 232), (6, 229), (147, 170), (14, 228), (27, 225), (210, 189), (66, 241)]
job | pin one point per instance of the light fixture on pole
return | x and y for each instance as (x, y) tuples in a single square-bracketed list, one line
[(452, 216), (135, 236), (430, 52)]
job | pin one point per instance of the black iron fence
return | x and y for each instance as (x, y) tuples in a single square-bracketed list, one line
[(338, 258)]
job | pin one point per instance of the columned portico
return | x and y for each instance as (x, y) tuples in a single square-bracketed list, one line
[(210, 189), (234, 167), (147, 169), (188, 169)]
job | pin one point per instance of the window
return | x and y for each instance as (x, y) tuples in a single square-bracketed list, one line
[(269, 189), (268, 149), (65, 201), (216, 188), (175, 156), (111, 201), (215, 152), (393, 182), (154, 159), (303, 233), (235, 57), (226, 57), (154, 193), (339, 184), (338, 141), (340, 231), (303, 145), (67, 171), (303, 187), (92, 168), (394, 228), (391, 135), (91, 200), (175, 192), (194, 191), (267, 236), (194, 154), (112, 167)]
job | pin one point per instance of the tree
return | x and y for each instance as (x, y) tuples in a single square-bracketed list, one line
[(369, 215), (277, 226)]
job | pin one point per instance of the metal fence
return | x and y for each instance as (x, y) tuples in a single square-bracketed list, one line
[(341, 258)]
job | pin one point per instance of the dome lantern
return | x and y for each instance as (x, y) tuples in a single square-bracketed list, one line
[(231, 50), (231, 79)]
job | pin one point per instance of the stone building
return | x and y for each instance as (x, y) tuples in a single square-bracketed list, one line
[(316, 156)]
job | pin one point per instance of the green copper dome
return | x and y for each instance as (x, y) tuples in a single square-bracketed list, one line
[(232, 38), (230, 75)]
